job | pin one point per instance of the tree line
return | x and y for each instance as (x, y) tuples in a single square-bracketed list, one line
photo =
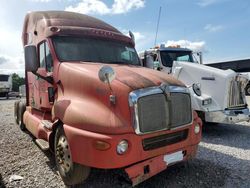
[(17, 81)]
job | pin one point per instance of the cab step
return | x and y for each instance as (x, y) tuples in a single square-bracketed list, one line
[(43, 144)]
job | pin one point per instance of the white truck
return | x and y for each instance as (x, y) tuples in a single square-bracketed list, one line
[(217, 95), (5, 85)]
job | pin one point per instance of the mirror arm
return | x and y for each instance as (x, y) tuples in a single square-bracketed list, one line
[(49, 79)]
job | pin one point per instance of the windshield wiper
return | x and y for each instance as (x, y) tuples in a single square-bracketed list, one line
[(117, 62), (121, 62)]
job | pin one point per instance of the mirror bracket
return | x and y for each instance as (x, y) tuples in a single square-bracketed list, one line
[(49, 79)]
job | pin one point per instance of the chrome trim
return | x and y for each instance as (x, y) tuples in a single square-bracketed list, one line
[(135, 95), (178, 89), (236, 93), (228, 116), (163, 88)]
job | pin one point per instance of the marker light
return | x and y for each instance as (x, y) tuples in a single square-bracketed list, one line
[(197, 128)]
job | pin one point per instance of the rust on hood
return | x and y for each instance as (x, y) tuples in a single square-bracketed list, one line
[(137, 77)]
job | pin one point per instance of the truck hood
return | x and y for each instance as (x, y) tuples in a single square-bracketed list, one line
[(133, 77), (83, 97), (215, 83)]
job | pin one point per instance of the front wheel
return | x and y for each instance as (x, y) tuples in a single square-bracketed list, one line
[(70, 172), (247, 89)]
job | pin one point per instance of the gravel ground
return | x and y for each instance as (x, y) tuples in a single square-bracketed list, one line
[(223, 160)]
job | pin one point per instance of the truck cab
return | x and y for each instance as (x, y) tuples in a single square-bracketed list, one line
[(217, 95), (90, 101)]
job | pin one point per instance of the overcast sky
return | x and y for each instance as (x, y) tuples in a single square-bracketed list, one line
[(220, 28)]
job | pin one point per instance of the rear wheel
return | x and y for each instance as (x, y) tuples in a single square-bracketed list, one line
[(70, 172), (16, 105), (247, 89), (21, 110)]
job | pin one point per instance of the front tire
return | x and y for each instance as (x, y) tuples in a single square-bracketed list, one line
[(70, 172), (247, 89)]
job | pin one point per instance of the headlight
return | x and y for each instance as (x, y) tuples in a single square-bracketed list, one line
[(197, 89), (197, 128), (206, 101), (122, 147)]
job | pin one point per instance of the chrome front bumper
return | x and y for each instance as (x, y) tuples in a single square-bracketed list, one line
[(228, 116)]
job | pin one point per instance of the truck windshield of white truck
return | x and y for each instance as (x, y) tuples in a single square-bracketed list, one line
[(86, 49), (168, 57), (4, 78)]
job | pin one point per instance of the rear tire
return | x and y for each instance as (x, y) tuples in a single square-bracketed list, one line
[(21, 110), (70, 172), (16, 105)]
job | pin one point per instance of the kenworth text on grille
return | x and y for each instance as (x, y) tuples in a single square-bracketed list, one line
[(218, 96), (90, 102)]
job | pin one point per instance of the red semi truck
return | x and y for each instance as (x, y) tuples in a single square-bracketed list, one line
[(89, 100)]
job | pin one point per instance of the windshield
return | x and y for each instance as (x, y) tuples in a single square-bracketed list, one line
[(4, 78), (168, 57), (94, 50)]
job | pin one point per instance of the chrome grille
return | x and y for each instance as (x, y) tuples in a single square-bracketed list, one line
[(181, 112), (236, 95), (161, 111), (153, 112)]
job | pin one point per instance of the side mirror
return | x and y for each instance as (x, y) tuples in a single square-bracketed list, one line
[(157, 65), (30, 57), (106, 74), (199, 54)]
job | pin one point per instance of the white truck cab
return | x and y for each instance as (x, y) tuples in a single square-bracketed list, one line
[(5, 85), (217, 95)]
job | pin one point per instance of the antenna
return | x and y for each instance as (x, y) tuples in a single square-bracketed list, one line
[(159, 16)]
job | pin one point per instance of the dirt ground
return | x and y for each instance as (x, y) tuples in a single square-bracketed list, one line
[(223, 160)]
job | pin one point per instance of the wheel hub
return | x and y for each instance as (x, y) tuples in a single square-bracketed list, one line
[(63, 154)]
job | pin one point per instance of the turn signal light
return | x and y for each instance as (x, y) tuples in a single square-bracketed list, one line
[(101, 145)]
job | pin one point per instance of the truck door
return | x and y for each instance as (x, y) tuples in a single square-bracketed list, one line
[(43, 101)]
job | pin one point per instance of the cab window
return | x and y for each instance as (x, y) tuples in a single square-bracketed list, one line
[(45, 57), (42, 55), (183, 58)]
